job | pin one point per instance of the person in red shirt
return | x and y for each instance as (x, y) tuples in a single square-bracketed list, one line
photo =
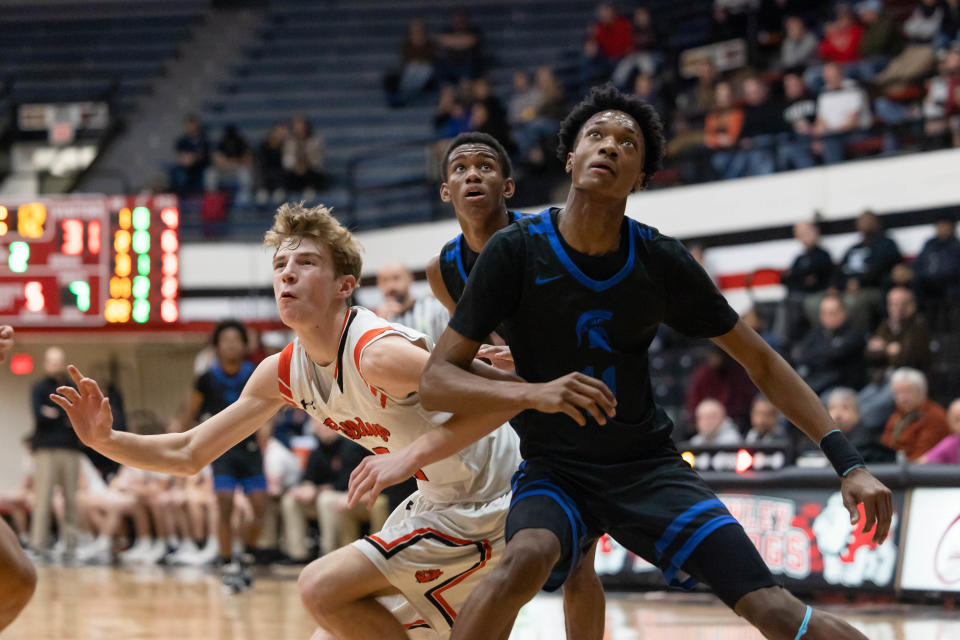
[(610, 40), (841, 41)]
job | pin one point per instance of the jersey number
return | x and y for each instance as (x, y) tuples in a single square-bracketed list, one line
[(419, 475)]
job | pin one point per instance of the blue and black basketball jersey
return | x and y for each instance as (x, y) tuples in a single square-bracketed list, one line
[(566, 311), (220, 390), (457, 260)]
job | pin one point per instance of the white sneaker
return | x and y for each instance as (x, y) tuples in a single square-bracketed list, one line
[(183, 554), (99, 552), (138, 552), (207, 555), (157, 550)]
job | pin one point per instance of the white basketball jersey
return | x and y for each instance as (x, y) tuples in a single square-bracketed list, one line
[(338, 396)]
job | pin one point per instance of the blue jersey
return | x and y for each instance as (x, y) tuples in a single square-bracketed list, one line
[(457, 259), (565, 311)]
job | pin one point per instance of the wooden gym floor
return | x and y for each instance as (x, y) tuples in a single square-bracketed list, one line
[(186, 604)]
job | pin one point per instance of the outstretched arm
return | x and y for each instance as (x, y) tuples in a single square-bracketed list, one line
[(6, 340), (789, 393), (181, 454)]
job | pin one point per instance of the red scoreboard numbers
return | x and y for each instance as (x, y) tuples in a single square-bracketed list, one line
[(90, 260)]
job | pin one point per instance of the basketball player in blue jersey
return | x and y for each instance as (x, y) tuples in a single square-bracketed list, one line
[(18, 578), (242, 465), (478, 182), (581, 291)]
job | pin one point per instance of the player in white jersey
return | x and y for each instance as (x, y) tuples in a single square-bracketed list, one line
[(359, 375)]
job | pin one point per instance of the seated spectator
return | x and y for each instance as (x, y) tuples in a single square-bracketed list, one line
[(425, 314), (809, 276), (902, 339), (535, 138), (799, 46), (299, 502), (865, 270), (645, 57), (524, 99), (417, 59), (270, 172), (697, 100), (762, 120), (843, 110), (936, 270), (881, 39), (723, 379), (460, 50), (303, 159), (765, 427), (844, 410), (451, 117), (487, 114), (841, 38), (917, 59), (192, 157), (232, 166), (722, 128), (724, 25), (941, 105), (609, 40), (831, 354), (647, 89), (282, 470), (947, 451), (917, 423), (713, 425), (799, 116)]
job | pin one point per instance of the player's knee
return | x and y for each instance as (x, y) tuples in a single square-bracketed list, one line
[(527, 562), (319, 588)]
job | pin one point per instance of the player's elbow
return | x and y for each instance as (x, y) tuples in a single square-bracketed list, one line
[(430, 387), (189, 462)]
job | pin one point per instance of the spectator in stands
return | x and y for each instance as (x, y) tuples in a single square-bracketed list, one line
[(722, 128), (947, 451), (865, 270), (765, 427), (645, 57), (647, 88), (534, 134), (843, 111), (451, 117), (425, 314), (902, 339), (799, 47), (799, 116), (232, 166), (56, 455), (917, 423), (713, 425), (881, 40), (841, 38), (941, 105), (270, 172), (192, 157), (831, 354), (487, 114), (609, 40), (699, 99), (936, 271), (844, 410), (722, 378), (523, 102), (807, 278), (762, 120), (303, 159), (460, 50), (417, 58), (921, 29), (724, 26)]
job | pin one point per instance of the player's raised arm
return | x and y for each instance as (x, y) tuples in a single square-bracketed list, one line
[(6, 340), (789, 393), (181, 454)]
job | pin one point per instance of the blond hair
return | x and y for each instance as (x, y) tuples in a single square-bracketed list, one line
[(293, 222)]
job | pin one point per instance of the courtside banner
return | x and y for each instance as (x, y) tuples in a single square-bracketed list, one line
[(804, 536), (931, 558)]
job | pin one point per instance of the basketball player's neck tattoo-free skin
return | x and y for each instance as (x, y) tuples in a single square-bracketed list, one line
[(606, 166), (478, 190)]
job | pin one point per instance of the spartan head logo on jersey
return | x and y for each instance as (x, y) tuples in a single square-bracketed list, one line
[(590, 330)]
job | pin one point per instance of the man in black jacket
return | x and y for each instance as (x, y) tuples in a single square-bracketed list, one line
[(831, 355), (808, 276), (865, 271), (936, 271), (56, 454)]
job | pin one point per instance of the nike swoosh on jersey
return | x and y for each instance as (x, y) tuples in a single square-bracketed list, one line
[(540, 280)]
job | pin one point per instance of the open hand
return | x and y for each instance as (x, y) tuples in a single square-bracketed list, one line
[(573, 394), (376, 473), (6, 340), (499, 356), (89, 411), (860, 486)]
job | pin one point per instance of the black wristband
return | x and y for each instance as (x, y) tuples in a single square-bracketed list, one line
[(841, 454)]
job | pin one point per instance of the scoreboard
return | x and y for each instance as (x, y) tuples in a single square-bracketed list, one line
[(89, 261)]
